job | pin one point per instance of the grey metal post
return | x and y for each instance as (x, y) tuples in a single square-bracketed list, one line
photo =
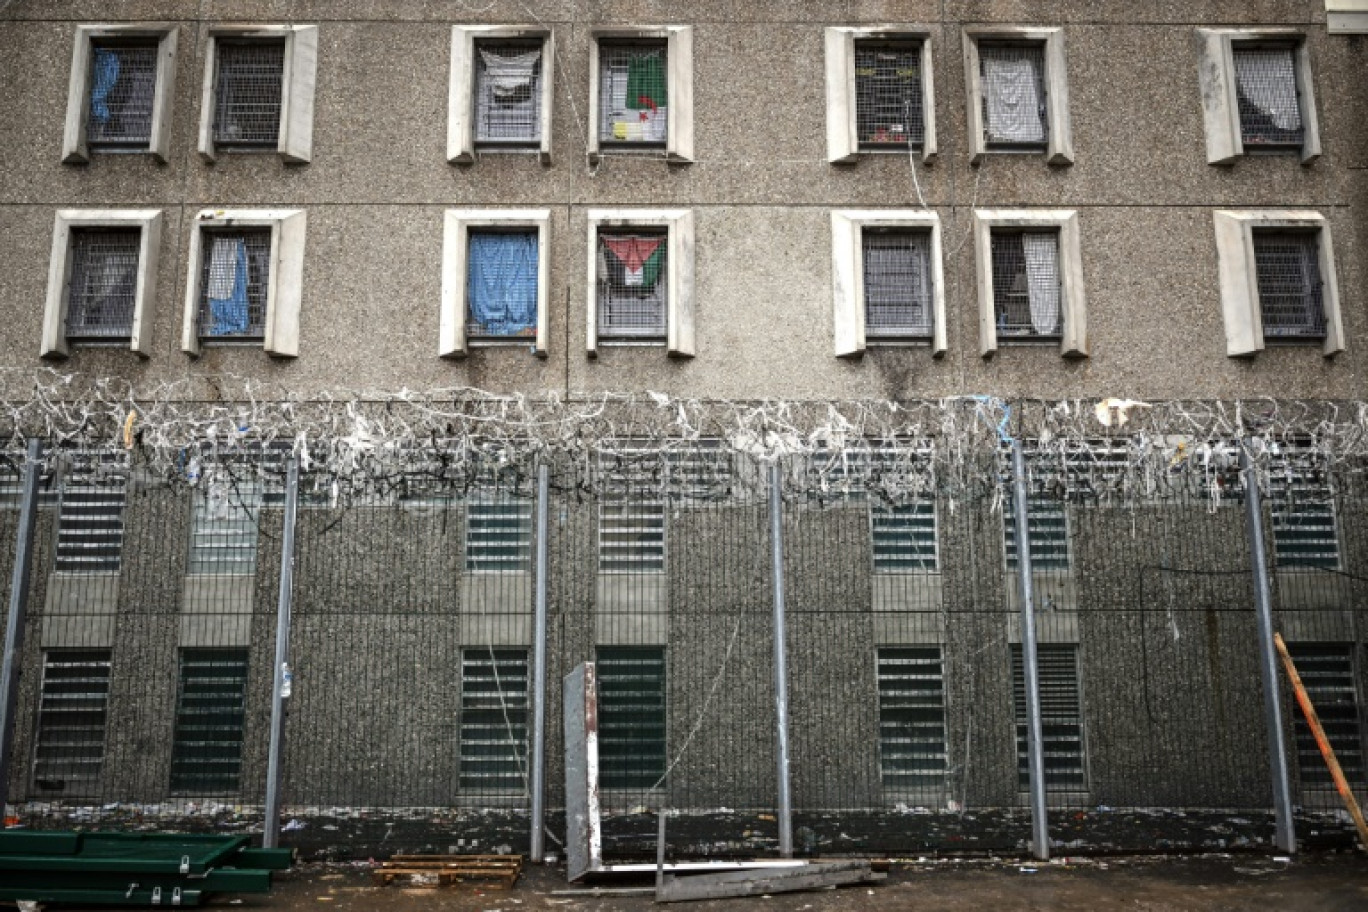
[(537, 785), (270, 837), (1285, 834), (18, 602), (1035, 747), (785, 809)]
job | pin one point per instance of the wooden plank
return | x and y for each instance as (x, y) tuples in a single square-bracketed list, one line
[(755, 883)]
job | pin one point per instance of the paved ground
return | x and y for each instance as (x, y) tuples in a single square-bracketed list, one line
[(1328, 883)]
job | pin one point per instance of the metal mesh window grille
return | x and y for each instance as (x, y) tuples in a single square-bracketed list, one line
[(1266, 91), (1303, 513), (206, 752), (1013, 81), (632, 284), (1027, 297), (905, 538), (224, 530), (1047, 532), (234, 277), (73, 707), (633, 93), (888, 95), (1061, 716), (631, 715), (912, 755), (90, 516), (1287, 265), (123, 78), (498, 535), (247, 94), (493, 719), (897, 283), (1327, 670), (508, 88), (103, 284)]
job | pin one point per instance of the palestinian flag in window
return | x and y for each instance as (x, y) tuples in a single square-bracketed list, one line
[(633, 261)]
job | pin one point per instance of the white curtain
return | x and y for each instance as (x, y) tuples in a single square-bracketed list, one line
[(509, 77), (1013, 96), (1042, 281)]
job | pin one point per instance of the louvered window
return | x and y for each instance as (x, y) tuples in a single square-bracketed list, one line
[(508, 93), (225, 529), (1047, 532), (1014, 102), (234, 281), (90, 516), (123, 80), (1061, 712), (72, 720), (1327, 670), (1287, 265), (494, 719), (1026, 286), (897, 283), (498, 534), (501, 290), (631, 716), (905, 537), (632, 536), (247, 94), (206, 753), (632, 284), (1303, 512), (633, 93), (1266, 91), (701, 471), (103, 283), (911, 718), (888, 95)]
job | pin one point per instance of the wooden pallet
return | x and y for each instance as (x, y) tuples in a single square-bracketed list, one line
[(498, 872)]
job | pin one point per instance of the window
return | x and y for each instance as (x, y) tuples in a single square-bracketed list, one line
[(501, 91), (246, 280), (897, 283), (495, 267), (1047, 532), (1030, 279), (73, 712), (1061, 717), (224, 533), (1018, 93), (912, 757), (211, 705), (90, 514), (258, 92), (1277, 274), (1303, 514), (631, 716), (120, 96), (879, 93), (102, 280), (498, 534), (888, 286), (904, 537), (641, 266), (1256, 94), (1327, 670), (493, 719), (641, 91)]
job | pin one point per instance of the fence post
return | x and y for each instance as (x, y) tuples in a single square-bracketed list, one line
[(1285, 834), (270, 837), (1035, 748), (785, 809), (537, 785), (18, 602)]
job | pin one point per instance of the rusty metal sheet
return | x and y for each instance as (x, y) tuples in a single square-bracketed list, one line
[(583, 832)]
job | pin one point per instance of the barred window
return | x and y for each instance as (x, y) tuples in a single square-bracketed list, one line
[(633, 93), (912, 755), (73, 712), (1027, 295), (211, 705), (1061, 717), (888, 94), (897, 283), (234, 279), (102, 288), (247, 94), (493, 719), (123, 80), (1014, 95), (508, 93), (224, 531), (1287, 265), (631, 716), (498, 534), (90, 518), (1303, 514), (502, 284), (1266, 92), (632, 285), (1327, 670)]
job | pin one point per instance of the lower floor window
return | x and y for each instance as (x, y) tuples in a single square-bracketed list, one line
[(1061, 717), (493, 719), (911, 719), (206, 754), (1327, 672), (631, 715), (73, 716)]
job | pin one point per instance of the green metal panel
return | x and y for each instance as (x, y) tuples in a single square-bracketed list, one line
[(27, 842), (150, 853), (264, 859)]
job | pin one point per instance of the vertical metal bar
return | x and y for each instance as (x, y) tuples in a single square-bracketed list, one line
[(785, 809), (271, 830), (18, 602), (537, 785), (1035, 747), (1285, 835)]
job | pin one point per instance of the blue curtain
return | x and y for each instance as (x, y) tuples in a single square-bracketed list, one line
[(503, 283), (106, 74), (228, 304)]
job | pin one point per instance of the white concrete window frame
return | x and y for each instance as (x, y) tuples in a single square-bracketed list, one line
[(1059, 148), (679, 124), (284, 287), (1073, 342), (679, 268), (461, 91), (75, 148), (451, 334), (847, 272), (1346, 17), (148, 222), (1240, 282), (296, 88), (1220, 107), (843, 145)]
